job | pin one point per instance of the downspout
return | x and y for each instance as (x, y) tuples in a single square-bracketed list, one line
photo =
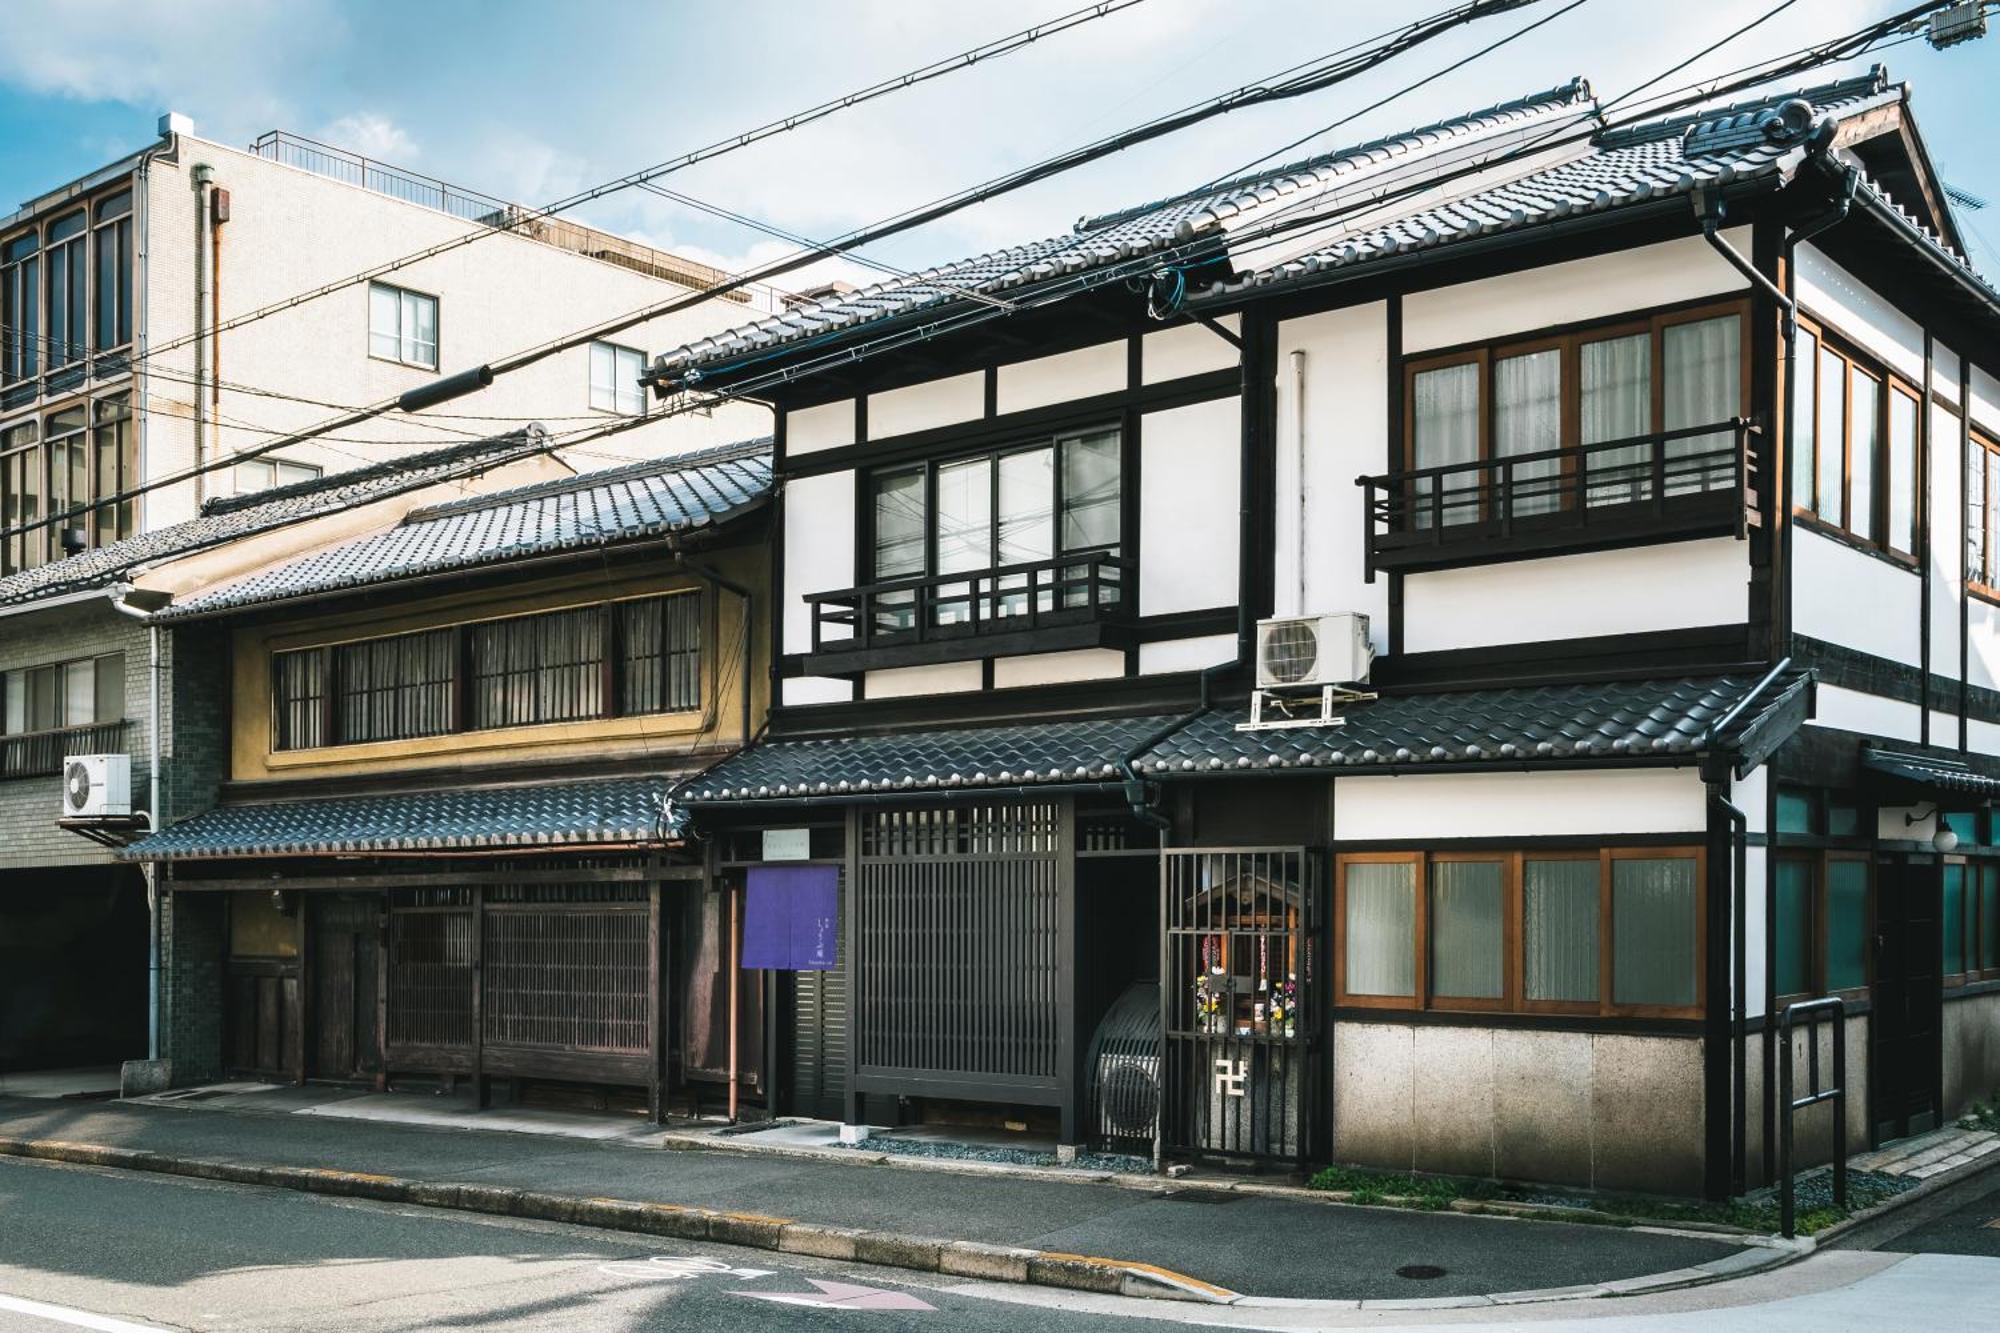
[(1299, 422), (204, 182), (1135, 786), (153, 821), (1735, 1015), (142, 228)]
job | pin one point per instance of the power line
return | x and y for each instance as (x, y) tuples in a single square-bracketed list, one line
[(1299, 81)]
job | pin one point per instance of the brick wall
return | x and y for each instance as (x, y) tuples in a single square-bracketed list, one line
[(193, 946)]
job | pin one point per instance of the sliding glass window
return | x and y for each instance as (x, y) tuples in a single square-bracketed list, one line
[(1856, 442)]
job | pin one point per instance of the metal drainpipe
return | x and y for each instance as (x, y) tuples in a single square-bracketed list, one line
[(142, 227), (1135, 786), (1299, 420), (152, 821), (204, 182), (749, 613)]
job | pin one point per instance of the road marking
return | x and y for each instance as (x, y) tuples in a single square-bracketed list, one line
[(678, 1268), (57, 1314), (841, 1296)]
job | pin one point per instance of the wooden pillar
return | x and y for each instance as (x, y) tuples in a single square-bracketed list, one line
[(382, 964), (302, 1011), (851, 1093), (656, 1097), (480, 1099), (1070, 1045)]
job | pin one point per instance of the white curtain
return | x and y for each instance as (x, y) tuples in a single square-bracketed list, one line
[(1381, 928), (1559, 905), (1467, 903), (1902, 472), (1527, 419), (1702, 375), (1445, 430), (1831, 434), (1864, 434), (1805, 364), (1616, 403)]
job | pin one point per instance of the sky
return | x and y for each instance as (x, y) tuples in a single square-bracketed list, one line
[(531, 102)]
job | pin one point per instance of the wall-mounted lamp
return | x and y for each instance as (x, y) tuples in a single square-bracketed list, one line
[(1943, 839)]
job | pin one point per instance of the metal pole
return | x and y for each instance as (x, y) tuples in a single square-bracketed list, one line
[(1785, 1201), (735, 991), (1840, 1104)]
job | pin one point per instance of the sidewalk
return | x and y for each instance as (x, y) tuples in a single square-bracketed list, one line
[(1242, 1242)]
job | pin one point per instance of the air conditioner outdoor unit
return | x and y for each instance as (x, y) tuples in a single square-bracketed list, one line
[(96, 785), (1323, 657)]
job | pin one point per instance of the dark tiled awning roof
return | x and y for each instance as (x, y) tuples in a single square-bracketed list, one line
[(974, 758), (1931, 771), (621, 812), (1599, 721)]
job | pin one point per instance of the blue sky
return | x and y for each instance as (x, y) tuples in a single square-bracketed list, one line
[(531, 101)]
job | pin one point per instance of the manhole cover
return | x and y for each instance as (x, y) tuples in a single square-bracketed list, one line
[(1420, 1272)]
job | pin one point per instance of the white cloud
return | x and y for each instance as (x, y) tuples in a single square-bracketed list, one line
[(371, 135)]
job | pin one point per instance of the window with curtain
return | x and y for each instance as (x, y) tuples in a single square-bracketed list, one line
[(1982, 513), (76, 693), (1441, 931), (991, 512), (1855, 439), (402, 326), (395, 688), (1597, 385), (535, 669), (660, 647)]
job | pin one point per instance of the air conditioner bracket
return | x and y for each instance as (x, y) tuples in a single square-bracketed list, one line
[(1296, 710)]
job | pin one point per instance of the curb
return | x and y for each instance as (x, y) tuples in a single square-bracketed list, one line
[(1874, 1228), (955, 1258)]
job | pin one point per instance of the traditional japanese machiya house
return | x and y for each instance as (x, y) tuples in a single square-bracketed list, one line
[(108, 728), (1469, 819), (443, 847)]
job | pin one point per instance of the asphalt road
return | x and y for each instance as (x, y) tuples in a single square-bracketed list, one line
[(1972, 1229)]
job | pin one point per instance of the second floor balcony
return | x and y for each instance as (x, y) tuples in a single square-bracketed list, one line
[(40, 754), (1666, 486), (1075, 600)]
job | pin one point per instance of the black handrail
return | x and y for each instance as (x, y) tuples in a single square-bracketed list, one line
[(40, 754), (1814, 1012), (928, 606)]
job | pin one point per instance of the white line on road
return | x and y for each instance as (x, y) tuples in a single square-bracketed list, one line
[(58, 1314)]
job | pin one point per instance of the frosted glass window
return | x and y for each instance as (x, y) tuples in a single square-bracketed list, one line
[(1990, 521), (1090, 492), (79, 693), (1381, 928), (1792, 931), (1902, 479), (1559, 917), (1616, 403), (1701, 372), (1027, 524), (1445, 430), (1863, 429), (1527, 419), (1989, 916), (1831, 434), (1846, 925), (1805, 366), (1653, 931), (1468, 907), (1954, 919)]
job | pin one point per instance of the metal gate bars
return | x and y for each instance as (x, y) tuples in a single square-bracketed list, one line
[(1243, 962)]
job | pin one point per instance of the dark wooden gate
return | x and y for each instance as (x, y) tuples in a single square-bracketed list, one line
[(345, 953), (962, 925), (1906, 1022), (433, 952), (1242, 1006)]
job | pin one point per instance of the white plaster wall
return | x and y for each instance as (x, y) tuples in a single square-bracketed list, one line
[(1418, 806), (1982, 639), (1057, 668), (1186, 654), (824, 426), (1945, 554), (1189, 349), (901, 682), (1829, 291), (1084, 373), (1679, 585), (815, 690), (819, 548), (1582, 289), (1944, 373), (1870, 714), (1983, 737), (925, 406), (1856, 600), (1187, 507), (1985, 401), (291, 230), (1346, 423)]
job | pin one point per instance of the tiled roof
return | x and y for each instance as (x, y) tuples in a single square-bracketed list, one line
[(228, 518), (1953, 775), (624, 503), (1596, 721), (973, 758), (1130, 233), (1622, 167), (624, 811)]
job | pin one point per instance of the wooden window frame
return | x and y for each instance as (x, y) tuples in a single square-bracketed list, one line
[(1819, 920), (611, 684), (1989, 968), (1983, 570), (1968, 917), (1513, 933), (1873, 533)]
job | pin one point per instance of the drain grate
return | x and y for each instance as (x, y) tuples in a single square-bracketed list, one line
[(1203, 1196), (1420, 1272)]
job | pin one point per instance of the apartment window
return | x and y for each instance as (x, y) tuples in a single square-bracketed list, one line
[(261, 474), (1612, 931), (114, 468), (63, 466), (62, 694), (1854, 443), (111, 241), (21, 307), (1982, 519), (560, 666), (66, 442), (1825, 915), (21, 496), (402, 326), (614, 379), (991, 512), (68, 278), (1625, 380)]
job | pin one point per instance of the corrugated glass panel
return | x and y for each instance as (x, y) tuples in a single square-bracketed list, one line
[(1653, 931)]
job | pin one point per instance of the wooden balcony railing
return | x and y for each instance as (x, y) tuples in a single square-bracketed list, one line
[(40, 754), (1647, 488), (1082, 589)]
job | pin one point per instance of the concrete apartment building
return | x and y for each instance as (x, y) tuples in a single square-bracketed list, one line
[(113, 373)]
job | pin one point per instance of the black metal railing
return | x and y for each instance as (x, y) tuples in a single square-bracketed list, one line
[(1066, 589), (40, 754), (1813, 1012), (1662, 485)]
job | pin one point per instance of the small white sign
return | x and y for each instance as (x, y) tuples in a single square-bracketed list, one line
[(787, 844)]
